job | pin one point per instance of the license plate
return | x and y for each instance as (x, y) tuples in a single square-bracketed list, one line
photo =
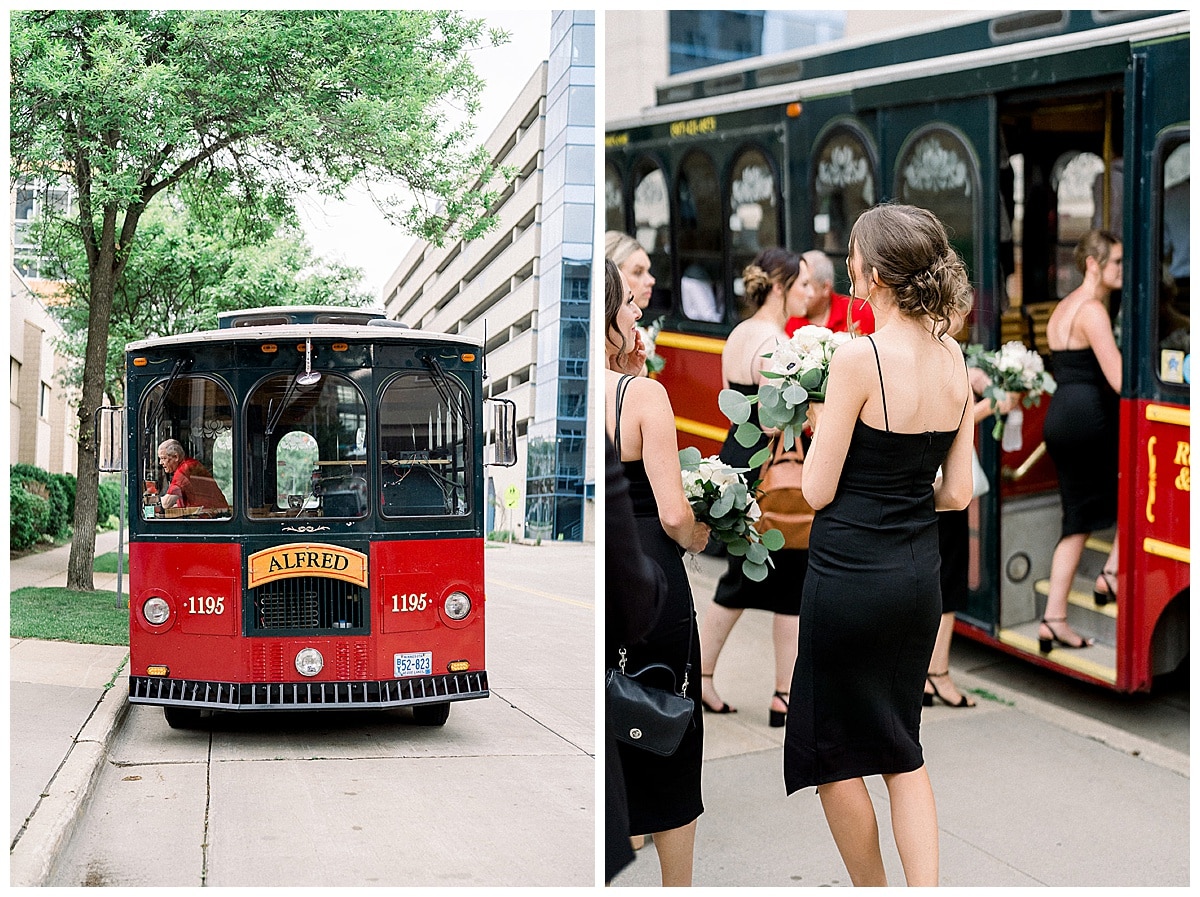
[(418, 664)]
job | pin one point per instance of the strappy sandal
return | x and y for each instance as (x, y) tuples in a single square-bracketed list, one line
[(927, 699), (1102, 598), (1045, 644), (724, 708), (779, 717)]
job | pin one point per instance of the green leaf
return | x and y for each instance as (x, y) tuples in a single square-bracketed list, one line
[(754, 572), (738, 548), (795, 394), (734, 405), (769, 396), (759, 458), (722, 505), (773, 539), (747, 435), (811, 379), (756, 553), (689, 457)]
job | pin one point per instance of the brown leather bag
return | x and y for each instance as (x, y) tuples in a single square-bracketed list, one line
[(781, 499)]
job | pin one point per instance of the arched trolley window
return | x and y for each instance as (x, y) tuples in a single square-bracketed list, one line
[(843, 181), (306, 448), (186, 449), (755, 212), (425, 446)]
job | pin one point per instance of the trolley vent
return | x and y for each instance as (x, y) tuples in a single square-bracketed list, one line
[(308, 604)]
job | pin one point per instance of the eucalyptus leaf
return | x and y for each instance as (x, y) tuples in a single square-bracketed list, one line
[(738, 548), (811, 379), (747, 435), (757, 553), (754, 572), (722, 505), (734, 405), (795, 394), (689, 457), (773, 539), (760, 457)]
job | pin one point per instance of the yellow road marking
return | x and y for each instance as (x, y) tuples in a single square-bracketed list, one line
[(559, 598)]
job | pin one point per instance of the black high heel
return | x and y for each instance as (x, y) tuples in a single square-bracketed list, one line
[(927, 697), (1045, 644), (1102, 598), (779, 717), (724, 708)]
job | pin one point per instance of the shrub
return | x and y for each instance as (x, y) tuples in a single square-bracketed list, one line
[(52, 488), (29, 515), (109, 503), (70, 486)]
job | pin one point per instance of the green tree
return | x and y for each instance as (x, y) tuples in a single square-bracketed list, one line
[(253, 104), (187, 269)]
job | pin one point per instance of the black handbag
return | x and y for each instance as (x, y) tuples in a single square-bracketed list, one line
[(643, 716)]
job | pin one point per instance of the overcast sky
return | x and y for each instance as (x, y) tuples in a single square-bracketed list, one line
[(353, 231)]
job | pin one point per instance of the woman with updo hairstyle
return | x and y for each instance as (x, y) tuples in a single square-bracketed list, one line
[(777, 282), (894, 412), (1081, 429), (662, 793), (634, 262)]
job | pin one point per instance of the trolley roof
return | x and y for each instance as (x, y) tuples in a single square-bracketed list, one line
[(786, 92), (362, 333)]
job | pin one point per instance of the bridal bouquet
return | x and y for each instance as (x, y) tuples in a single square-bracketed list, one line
[(649, 334), (720, 497), (1012, 368), (797, 375)]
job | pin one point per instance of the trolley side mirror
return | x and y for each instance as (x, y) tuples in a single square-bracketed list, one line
[(503, 431), (110, 431)]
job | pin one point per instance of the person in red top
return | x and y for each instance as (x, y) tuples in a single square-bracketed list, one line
[(827, 308), (192, 485)]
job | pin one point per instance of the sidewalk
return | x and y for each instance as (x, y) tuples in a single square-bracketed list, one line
[(1028, 793), (61, 716)]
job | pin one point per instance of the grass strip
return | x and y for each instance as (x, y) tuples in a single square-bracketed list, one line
[(61, 615)]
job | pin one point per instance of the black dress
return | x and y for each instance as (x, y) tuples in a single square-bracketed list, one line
[(780, 591), (870, 613), (954, 544), (663, 793), (1080, 430)]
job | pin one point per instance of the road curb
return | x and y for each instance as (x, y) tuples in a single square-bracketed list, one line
[(53, 821)]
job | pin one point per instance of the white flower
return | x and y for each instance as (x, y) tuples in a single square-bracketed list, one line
[(753, 511), (810, 339), (785, 359)]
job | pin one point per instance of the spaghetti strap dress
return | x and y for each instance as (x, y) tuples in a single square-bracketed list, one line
[(1080, 431), (870, 613), (779, 593), (663, 792)]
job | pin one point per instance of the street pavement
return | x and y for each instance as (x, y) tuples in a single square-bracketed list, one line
[(67, 732), (1028, 793), (62, 715)]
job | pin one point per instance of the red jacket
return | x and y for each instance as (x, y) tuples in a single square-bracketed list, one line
[(839, 307)]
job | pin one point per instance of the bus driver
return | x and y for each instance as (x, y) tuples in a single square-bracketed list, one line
[(192, 485)]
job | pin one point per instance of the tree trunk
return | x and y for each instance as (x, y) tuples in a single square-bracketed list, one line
[(87, 496)]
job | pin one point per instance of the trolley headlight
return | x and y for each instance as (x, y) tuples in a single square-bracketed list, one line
[(309, 662), (156, 610), (457, 605)]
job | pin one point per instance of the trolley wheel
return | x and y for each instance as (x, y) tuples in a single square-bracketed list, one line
[(182, 717), (431, 714)]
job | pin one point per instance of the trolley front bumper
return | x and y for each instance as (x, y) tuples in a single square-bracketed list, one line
[(373, 695)]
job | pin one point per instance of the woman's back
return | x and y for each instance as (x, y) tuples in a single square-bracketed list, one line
[(741, 358), (919, 384)]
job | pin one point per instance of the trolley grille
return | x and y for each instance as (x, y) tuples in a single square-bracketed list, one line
[(308, 604), (359, 695)]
